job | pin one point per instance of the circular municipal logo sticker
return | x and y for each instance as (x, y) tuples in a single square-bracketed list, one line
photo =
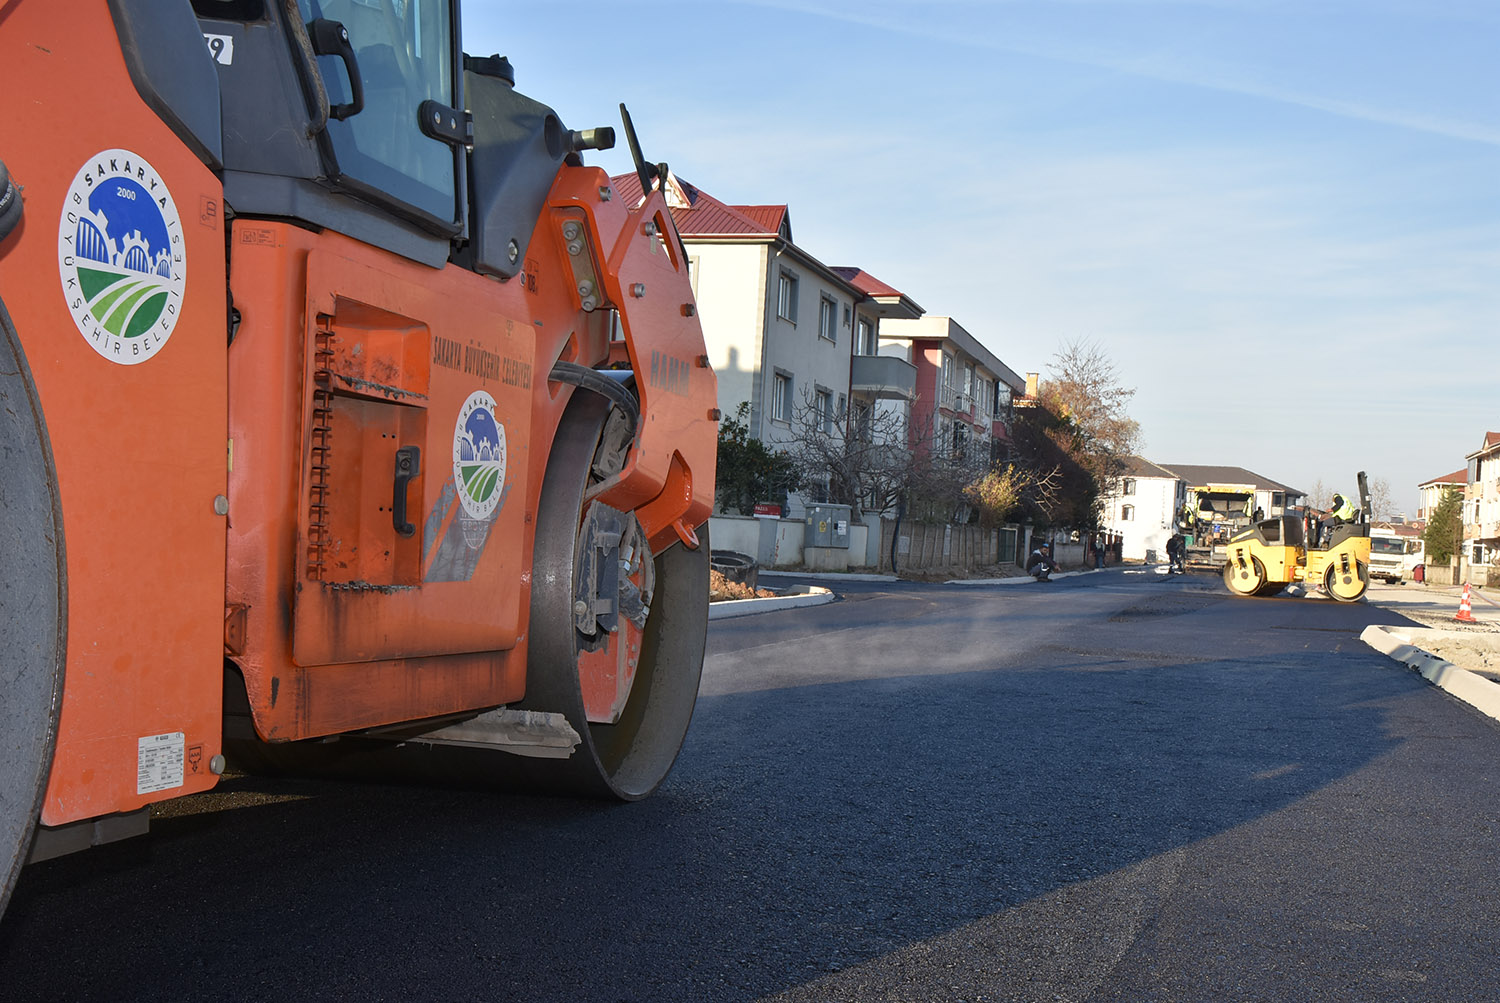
[(479, 456), (120, 253)]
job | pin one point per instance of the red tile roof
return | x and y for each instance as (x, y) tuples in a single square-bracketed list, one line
[(770, 217), (696, 213), (864, 281), (1457, 477)]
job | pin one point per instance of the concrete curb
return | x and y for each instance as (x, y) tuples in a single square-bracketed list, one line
[(1470, 687), (731, 608), (827, 576), (1018, 580)]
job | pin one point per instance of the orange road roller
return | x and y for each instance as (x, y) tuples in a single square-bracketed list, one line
[(351, 423)]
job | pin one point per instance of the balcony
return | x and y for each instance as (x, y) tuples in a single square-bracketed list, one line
[(882, 377)]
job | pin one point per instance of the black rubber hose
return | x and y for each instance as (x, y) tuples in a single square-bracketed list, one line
[(599, 383), (10, 203)]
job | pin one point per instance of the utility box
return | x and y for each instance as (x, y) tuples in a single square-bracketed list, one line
[(827, 526)]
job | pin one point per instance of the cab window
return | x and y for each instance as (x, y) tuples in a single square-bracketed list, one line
[(404, 50)]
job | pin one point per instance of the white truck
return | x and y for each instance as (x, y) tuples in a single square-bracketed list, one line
[(1394, 556)]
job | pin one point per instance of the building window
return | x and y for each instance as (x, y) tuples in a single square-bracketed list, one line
[(781, 397), (1127, 513), (1478, 556), (946, 398), (823, 410), (692, 264), (864, 429), (828, 319), (960, 440), (1128, 487), (1278, 500), (968, 380), (786, 297), (864, 341), (1002, 400)]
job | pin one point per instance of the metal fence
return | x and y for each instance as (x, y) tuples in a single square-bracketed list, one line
[(930, 547)]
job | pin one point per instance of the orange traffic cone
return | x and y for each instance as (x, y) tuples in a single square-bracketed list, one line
[(1465, 608)]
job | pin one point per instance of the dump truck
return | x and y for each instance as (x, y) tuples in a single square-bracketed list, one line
[(1395, 555), (352, 424)]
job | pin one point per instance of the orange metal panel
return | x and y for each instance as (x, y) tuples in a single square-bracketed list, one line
[(347, 353), (116, 283), (343, 344), (673, 466)]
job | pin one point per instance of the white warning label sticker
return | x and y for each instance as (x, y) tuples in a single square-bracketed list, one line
[(159, 762)]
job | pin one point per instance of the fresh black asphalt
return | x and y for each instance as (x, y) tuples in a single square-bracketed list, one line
[(1111, 787)]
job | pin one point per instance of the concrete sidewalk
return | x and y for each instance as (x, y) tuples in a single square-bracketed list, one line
[(1462, 658), (1422, 649), (1436, 605), (807, 595), (828, 576)]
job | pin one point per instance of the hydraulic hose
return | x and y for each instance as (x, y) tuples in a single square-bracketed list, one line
[(10, 203), (602, 384)]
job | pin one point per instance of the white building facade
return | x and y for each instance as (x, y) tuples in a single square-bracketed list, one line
[(1141, 508), (1482, 504)]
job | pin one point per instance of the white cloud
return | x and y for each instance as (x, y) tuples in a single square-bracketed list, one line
[(1174, 64)]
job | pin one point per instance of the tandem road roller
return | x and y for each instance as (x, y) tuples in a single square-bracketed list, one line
[(1272, 554), (351, 424)]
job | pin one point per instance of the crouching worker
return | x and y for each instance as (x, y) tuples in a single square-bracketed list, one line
[(1039, 565)]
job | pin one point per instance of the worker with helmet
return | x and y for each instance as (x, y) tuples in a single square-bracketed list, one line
[(1343, 510)]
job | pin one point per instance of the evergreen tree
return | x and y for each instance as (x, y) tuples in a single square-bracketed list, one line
[(749, 472), (1444, 530)]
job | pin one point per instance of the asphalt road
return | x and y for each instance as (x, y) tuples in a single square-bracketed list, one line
[(1112, 787)]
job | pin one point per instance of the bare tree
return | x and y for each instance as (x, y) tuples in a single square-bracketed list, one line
[(861, 458), (1084, 390), (1382, 505), (874, 458), (1320, 497), (1004, 492)]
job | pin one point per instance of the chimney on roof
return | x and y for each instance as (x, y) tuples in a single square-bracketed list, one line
[(1032, 380)]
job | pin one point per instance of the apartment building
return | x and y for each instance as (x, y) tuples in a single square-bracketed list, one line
[(779, 325), (873, 376), (1430, 493), (1482, 503), (963, 390)]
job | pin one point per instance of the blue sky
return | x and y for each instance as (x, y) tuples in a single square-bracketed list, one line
[(1281, 220)]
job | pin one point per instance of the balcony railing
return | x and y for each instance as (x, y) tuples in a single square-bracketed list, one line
[(883, 377)]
